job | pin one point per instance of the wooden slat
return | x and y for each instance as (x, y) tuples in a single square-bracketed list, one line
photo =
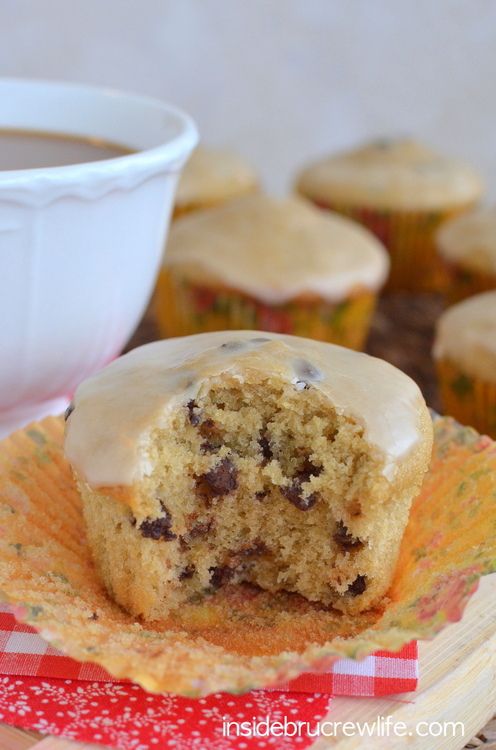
[(458, 683)]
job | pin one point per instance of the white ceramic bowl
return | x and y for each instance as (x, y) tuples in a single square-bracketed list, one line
[(79, 245)]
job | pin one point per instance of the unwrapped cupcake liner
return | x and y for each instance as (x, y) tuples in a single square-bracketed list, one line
[(241, 637), (409, 236), (184, 308), (470, 399)]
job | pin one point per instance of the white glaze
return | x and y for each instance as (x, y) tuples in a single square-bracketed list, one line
[(213, 175), (275, 250), (466, 335), (116, 409), (391, 174), (470, 240)]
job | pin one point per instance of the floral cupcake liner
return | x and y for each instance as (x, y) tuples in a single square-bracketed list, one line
[(468, 398), (184, 308), (465, 282), (409, 236), (237, 638)]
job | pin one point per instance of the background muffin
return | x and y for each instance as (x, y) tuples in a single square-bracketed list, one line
[(275, 265), (465, 353), (467, 244), (237, 456), (402, 191), (212, 176)]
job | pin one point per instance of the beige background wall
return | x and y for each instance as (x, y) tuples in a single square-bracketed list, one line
[(280, 80)]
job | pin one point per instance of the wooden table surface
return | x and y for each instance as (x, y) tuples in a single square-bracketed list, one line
[(402, 333)]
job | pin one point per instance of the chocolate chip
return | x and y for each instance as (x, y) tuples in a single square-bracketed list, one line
[(345, 539), (261, 495), (193, 415), (187, 572), (308, 470), (132, 521), (257, 548), (358, 586), (94, 616), (68, 411), (200, 529), (294, 494), (212, 434), (219, 481), (220, 575), (305, 371), (265, 448), (158, 528), (232, 346)]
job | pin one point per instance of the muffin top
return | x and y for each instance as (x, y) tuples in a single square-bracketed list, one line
[(116, 409), (466, 335), (212, 176), (470, 240), (276, 250), (391, 174)]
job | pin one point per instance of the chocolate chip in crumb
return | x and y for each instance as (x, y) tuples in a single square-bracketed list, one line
[(345, 539), (68, 411), (212, 434), (220, 575), (187, 572), (200, 529), (193, 414), (158, 528), (265, 448), (358, 586), (261, 495), (294, 494), (94, 616), (221, 480), (308, 470)]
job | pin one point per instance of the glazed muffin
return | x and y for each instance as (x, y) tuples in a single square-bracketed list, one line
[(465, 354), (210, 177), (275, 265), (467, 245), (402, 191), (241, 456)]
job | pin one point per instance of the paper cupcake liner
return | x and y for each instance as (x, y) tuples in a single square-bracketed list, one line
[(468, 398), (184, 308), (239, 638), (464, 282), (409, 236)]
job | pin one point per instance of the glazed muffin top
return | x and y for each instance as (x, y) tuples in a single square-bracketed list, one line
[(469, 240), (466, 336), (116, 410), (212, 176), (277, 249), (396, 174)]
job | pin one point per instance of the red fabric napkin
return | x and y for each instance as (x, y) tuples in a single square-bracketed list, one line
[(44, 690)]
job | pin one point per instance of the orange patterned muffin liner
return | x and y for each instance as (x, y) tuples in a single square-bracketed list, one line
[(470, 399), (239, 638), (184, 308), (409, 236)]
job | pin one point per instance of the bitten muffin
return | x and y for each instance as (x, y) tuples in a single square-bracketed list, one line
[(467, 245), (275, 265), (465, 354), (245, 457), (210, 177), (402, 191)]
